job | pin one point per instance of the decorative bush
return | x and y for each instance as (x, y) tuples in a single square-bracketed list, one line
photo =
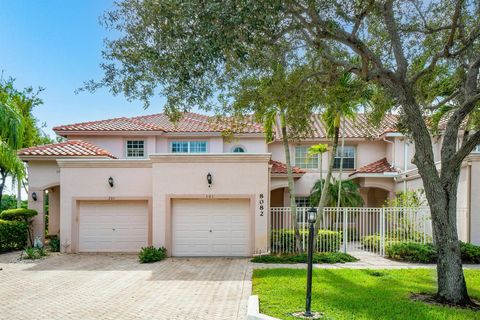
[(13, 235), (320, 257), (284, 240), (152, 254), (19, 214), (412, 252), (426, 253), (54, 244), (372, 242), (34, 253)]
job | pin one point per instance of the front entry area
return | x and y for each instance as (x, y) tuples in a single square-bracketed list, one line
[(211, 227), (112, 226)]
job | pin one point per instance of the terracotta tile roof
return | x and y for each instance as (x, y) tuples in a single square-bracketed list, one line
[(379, 166), (70, 148), (281, 168), (117, 124), (356, 128), (194, 122)]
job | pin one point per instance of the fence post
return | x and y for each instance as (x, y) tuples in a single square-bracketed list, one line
[(345, 228), (382, 231)]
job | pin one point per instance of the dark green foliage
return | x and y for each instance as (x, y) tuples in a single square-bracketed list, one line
[(426, 253), (322, 257), (10, 202), (34, 253), (349, 195), (54, 244), (152, 254), (13, 235), (284, 240), (20, 214)]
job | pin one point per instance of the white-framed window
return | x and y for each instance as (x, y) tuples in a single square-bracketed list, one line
[(135, 149), (303, 161), (348, 156), (238, 149), (188, 146), (476, 149), (302, 201)]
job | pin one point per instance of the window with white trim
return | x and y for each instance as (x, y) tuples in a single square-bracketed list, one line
[(302, 201), (135, 149), (348, 156), (476, 149), (302, 160), (188, 146), (238, 149)]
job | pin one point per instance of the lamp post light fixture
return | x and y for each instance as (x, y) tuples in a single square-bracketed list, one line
[(34, 196), (209, 179), (312, 217), (110, 182)]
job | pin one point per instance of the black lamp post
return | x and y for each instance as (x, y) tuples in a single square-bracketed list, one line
[(312, 216)]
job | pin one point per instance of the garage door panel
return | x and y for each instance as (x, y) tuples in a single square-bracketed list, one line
[(113, 226), (211, 227)]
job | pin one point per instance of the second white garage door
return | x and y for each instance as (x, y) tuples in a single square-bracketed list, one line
[(113, 226), (211, 227)]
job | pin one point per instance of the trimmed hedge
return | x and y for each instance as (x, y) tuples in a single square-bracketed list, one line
[(19, 214), (13, 235), (321, 257), (284, 240), (372, 242), (427, 253)]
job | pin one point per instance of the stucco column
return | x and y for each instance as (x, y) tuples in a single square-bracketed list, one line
[(54, 211), (38, 225)]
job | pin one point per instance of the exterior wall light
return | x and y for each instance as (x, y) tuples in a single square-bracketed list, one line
[(34, 196), (209, 179), (110, 182)]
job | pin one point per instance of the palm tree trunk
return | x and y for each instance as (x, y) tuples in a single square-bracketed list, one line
[(291, 185), (3, 178), (341, 165), (323, 197)]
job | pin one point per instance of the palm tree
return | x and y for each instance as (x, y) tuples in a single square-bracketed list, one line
[(343, 97), (11, 133), (349, 195)]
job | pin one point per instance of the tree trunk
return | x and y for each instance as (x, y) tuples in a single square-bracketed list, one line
[(441, 193), (341, 166), (19, 192), (323, 197), (291, 186), (3, 178)]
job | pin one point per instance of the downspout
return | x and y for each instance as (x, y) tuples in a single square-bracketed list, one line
[(405, 164), (469, 201)]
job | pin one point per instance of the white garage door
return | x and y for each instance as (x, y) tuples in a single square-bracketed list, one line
[(211, 228), (113, 226)]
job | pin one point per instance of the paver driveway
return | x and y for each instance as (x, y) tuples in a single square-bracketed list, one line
[(118, 287)]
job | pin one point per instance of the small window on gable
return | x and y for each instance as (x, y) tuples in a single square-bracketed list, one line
[(135, 149), (238, 149)]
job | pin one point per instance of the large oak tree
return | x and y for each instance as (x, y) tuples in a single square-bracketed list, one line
[(424, 55)]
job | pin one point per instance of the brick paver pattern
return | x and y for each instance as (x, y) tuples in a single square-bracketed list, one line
[(118, 287)]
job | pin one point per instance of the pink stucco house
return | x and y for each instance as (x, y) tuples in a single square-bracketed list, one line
[(119, 184)]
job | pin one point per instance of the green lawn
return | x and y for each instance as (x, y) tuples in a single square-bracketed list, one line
[(357, 294)]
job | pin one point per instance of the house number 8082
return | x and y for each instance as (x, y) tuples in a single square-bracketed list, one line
[(261, 203)]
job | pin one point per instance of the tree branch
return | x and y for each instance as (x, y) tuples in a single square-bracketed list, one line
[(389, 19), (466, 149)]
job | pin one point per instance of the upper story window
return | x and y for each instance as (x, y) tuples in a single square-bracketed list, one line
[(348, 156), (188, 146), (477, 149), (238, 149), (135, 149), (303, 161)]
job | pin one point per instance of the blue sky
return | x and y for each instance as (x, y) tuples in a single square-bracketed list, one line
[(56, 44)]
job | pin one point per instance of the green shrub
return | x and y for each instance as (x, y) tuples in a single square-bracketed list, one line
[(13, 235), (411, 252), (34, 253), (20, 214), (152, 254), (54, 244), (321, 257), (426, 253), (372, 242), (284, 240)]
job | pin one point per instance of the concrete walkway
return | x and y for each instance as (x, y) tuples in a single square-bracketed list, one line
[(368, 260)]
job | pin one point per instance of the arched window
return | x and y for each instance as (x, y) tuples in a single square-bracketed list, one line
[(238, 149)]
